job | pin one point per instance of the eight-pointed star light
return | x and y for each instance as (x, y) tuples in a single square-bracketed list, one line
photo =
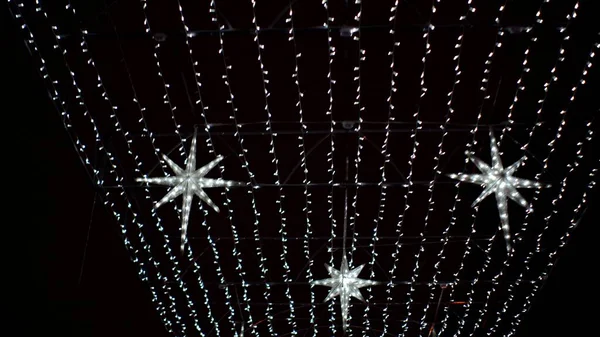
[(500, 181), (344, 282), (189, 181)]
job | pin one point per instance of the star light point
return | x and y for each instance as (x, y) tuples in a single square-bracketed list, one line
[(187, 182), (346, 284), (500, 181)]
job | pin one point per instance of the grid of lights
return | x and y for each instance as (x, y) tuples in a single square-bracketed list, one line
[(170, 313)]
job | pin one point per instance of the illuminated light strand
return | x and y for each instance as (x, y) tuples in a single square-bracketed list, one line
[(59, 104), (484, 90), (535, 198), (227, 202), (563, 240), (358, 103), (330, 154), (166, 97), (111, 157), (242, 156), (113, 116), (361, 108), (418, 126), (553, 78), (280, 202), (307, 195), (524, 225), (580, 82), (386, 156), (482, 271), (520, 86), (457, 72), (471, 293)]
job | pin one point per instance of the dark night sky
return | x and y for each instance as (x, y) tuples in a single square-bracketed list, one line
[(110, 300)]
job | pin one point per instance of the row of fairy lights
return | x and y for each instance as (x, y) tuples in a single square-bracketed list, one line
[(283, 231), (307, 196), (227, 202), (485, 81), (386, 156), (246, 165), (400, 221), (330, 154), (483, 269), (176, 269), (529, 212), (113, 116), (81, 149), (458, 47), (358, 104), (547, 219)]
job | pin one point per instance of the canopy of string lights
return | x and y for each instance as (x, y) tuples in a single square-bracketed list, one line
[(350, 134)]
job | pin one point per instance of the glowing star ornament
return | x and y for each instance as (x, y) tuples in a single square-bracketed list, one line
[(500, 181), (344, 282), (189, 181)]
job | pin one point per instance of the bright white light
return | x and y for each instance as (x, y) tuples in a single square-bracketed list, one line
[(346, 284), (189, 181), (498, 180)]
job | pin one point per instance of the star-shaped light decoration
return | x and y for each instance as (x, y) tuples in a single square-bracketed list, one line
[(188, 182), (344, 282), (500, 181)]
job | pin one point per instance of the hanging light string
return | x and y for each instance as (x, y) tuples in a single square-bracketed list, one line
[(528, 214), (60, 105), (360, 109), (307, 195), (242, 156), (225, 193), (111, 157), (330, 154), (113, 116), (526, 69), (580, 83), (281, 201), (436, 171), (418, 126), (359, 105), (518, 236), (386, 156), (486, 263), (563, 241), (484, 88), (166, 96)]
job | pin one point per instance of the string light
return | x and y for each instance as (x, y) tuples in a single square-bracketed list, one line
[(242, 156), (441, 152), (330, 153), (81, 149), (305, 181), (281, 201), (360, 108), (418, 126), (227, 202), (520, 86), (552, 145), (537, 124), (563, 240), (485, 81), (386, 156)]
